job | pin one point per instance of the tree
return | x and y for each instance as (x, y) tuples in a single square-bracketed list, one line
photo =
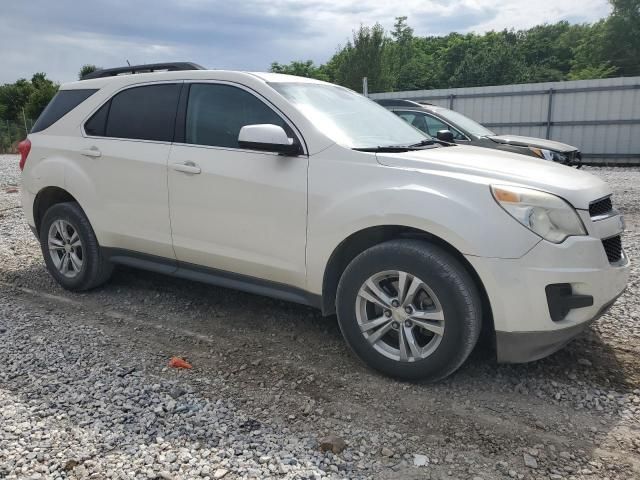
[(42, 93), (14, 96), (86, 70), (547, 50), (26, 99), (622, 36), (402, 48), (301, 69), (489, 60), (366, 55), (590, 55)]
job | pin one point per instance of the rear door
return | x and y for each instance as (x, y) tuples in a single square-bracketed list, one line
[(126, 148), (233, 209)]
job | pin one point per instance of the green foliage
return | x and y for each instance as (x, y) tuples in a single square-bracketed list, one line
[(491, 59), (550, 52), (20, 103), (366, 55), (590, 55), (622, 36), (43, 91), (86, 70), (301, 69)]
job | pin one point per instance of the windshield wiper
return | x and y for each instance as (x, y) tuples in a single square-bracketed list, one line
[(423, 143), (434, 142), (385, 148), (401, 148)]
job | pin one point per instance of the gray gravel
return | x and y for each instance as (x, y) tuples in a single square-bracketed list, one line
[(85, 391)]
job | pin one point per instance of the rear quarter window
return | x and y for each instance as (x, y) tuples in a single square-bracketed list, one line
[(62, 103), (143, 113)]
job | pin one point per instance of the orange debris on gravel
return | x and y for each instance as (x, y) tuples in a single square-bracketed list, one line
[(177, 362)]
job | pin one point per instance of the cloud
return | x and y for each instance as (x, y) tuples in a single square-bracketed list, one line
[(59, 37)]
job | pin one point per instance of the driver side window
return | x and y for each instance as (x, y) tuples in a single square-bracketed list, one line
[(216, 113)]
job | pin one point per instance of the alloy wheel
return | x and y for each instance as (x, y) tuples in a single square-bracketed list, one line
[(400, 316), (65, 248)]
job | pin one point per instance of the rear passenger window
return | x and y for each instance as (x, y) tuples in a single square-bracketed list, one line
[(216, 113), (62, 103), (141, 113)]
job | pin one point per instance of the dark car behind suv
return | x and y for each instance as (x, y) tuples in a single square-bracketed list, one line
[(451, 126)]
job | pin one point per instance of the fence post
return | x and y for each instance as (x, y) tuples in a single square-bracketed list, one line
[(549, 114)]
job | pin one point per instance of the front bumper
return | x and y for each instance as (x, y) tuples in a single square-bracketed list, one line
[(516, 288), (522, 347)]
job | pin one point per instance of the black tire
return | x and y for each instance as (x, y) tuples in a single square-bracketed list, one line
[(95, 269), (454, 287)]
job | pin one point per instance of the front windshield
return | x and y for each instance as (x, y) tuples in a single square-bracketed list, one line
[(465, 123), (348, 118)]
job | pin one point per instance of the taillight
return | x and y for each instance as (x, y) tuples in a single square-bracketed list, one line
[(24, 147)]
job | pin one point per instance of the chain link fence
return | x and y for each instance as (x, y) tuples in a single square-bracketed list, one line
[(11, 133)]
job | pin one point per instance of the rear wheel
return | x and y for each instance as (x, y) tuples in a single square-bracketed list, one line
[(70, 248), (409, 309)]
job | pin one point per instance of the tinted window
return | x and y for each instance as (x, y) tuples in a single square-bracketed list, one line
[(62, 103), (428, 124), (433, 124), (145, 113), (216, 113), (415, 119), (96, 125)]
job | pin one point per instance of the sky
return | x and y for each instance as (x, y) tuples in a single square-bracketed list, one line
[(58, 37)]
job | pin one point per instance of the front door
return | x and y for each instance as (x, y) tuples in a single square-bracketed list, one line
[(233, 209)]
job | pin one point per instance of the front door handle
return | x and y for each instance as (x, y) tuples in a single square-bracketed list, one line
[(186, 167), (91, 152)]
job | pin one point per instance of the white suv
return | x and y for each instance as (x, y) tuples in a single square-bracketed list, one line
[(307, 191)]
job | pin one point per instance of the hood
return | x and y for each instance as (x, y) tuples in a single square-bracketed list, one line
[(532, 142), (483, 165)]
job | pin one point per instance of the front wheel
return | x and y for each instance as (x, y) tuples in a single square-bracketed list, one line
[(409, 309)]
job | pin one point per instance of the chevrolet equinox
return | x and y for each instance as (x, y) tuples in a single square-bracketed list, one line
[(309, 192)]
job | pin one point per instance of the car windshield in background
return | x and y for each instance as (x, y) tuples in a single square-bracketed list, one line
[(348, 118), (465, 123)]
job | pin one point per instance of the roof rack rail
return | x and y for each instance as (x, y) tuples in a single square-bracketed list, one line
[(150, 67)]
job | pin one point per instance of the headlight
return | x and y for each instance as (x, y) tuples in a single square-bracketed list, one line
[(543, 213), (549, 155)]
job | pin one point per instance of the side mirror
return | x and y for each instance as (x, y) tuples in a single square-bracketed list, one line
[(268, 138), (445, 136)]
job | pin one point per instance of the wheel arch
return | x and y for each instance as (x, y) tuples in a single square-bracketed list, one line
[(361, 240), (45, 199)]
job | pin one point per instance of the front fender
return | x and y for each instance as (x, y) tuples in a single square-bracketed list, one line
[(460, 212)]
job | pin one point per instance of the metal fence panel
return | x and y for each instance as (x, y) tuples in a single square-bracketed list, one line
[(601, 117)]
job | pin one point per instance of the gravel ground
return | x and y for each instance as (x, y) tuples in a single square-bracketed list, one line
[(85, 391)]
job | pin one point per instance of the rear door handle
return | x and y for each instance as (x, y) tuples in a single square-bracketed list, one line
[(91, 152), (186, 167)]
